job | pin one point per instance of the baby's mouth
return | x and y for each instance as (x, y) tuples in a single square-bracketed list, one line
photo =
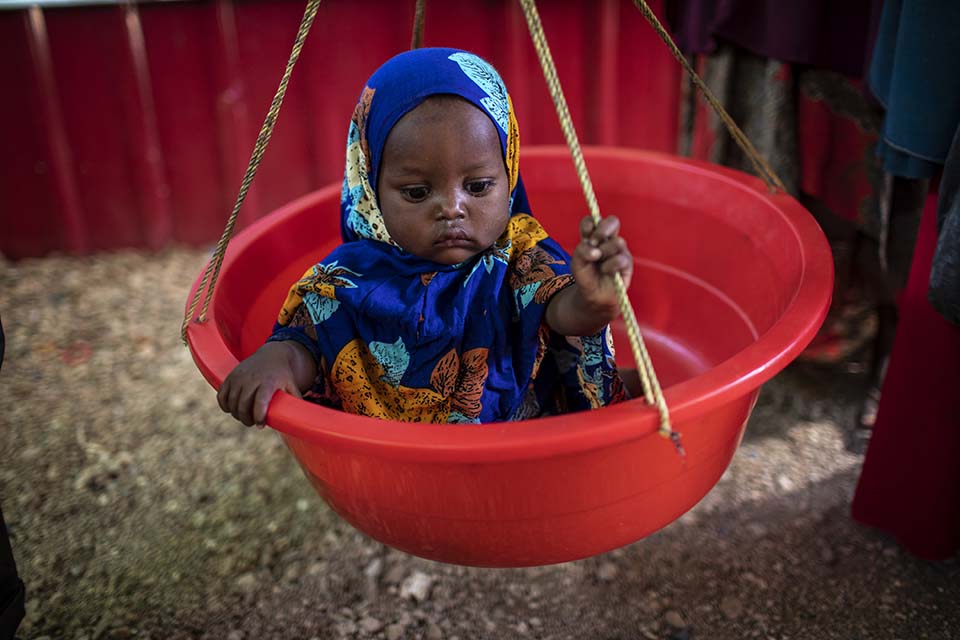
[(454, 237)]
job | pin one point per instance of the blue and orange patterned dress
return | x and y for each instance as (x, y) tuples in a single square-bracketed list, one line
[(403, 338)]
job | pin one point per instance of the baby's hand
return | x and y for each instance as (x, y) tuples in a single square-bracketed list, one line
[(246, 392), (600, 254)]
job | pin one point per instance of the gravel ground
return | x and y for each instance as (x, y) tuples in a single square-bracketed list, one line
[(138, 510)]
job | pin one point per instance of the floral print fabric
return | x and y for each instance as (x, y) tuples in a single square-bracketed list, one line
[(401, 338)]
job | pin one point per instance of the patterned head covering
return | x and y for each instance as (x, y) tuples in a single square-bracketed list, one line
[(400, 85), (403, 338)]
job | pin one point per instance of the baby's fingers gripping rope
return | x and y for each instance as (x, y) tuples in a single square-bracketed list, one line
[(651, 386)]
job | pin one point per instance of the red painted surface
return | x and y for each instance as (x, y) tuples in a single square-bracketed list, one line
[(564, 487), (38, 167), (132, 126)]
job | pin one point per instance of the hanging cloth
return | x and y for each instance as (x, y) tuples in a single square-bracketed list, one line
[(913, 75)]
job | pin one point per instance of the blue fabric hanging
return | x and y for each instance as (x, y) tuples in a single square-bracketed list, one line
[(913, 73)]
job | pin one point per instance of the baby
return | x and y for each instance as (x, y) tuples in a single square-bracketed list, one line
[(447, 301)]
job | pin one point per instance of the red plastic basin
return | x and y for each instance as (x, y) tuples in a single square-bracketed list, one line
[(731, 283)]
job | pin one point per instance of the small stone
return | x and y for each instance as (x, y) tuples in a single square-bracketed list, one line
[(416, 587), (235, 634), (370, 625), (434, 632), (751, 577), (785, 483), (374, 569), (226, 566), (346, 628), (394, 575), (607, 571), (247, 582), (827, 556), (522, 628), (293, 573), (394, 632), (674, 619), (198, 519), (731, 606)]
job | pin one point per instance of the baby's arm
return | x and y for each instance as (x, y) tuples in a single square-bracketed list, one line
[(590, 304), (276, 366)]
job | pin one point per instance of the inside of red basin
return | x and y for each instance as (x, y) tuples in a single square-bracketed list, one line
[(730, 284)]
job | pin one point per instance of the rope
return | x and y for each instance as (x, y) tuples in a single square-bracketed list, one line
[(416, 40), (764, 170), (651, 386), (212, 272)]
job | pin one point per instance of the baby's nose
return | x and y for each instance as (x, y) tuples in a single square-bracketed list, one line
[(452, 205)]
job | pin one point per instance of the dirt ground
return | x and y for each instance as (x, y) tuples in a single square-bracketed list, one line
[(138, 510)]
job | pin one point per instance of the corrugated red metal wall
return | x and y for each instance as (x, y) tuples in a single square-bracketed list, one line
[(131, 125)]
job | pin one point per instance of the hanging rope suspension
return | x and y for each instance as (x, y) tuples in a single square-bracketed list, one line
[(416, 41), (651, 386), (212, 272)]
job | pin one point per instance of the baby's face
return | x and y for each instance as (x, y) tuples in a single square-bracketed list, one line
[(443, 186)]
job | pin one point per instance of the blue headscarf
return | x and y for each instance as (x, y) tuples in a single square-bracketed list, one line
[(400, 337)]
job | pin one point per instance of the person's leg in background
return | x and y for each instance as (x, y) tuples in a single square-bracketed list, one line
[(885, 263), (12, 592)]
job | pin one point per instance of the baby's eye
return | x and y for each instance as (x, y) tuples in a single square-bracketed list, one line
[(415, 194), (478, 187)]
